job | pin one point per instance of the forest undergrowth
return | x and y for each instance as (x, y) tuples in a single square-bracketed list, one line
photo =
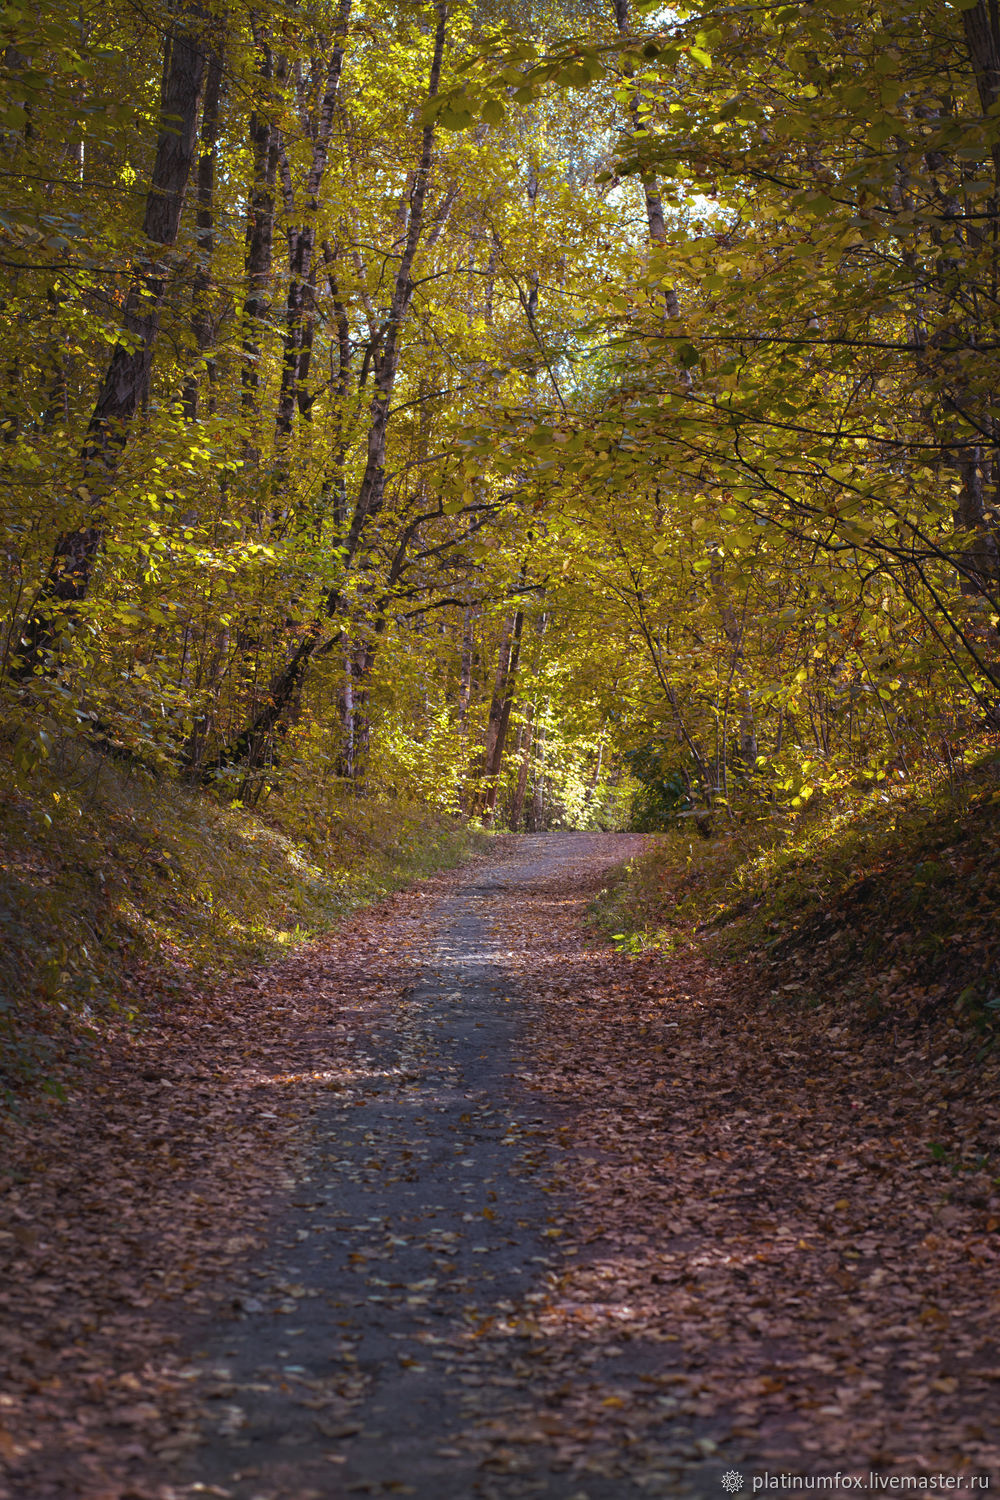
[(117, 886), (881, 904)]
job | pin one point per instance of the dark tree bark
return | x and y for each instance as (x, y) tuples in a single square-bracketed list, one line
[(265, 144), (203, 331), (981, 561), (300, 306), (496, 703), (372, 489), (500, 711), (465, 669), (126, 380), (980, 557), (982, 38)]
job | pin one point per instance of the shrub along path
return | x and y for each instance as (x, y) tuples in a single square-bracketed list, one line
[(457, 1203)]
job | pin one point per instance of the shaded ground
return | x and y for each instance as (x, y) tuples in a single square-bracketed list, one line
[(459, 1205)]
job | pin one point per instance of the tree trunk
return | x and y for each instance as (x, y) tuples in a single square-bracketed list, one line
[(345, 760), (126, 379), (500, 711), (654, 203), (517, 806), (595, 775), (734, 630), (496, 702), (520, 791), (371, 491), (335, 483), (538, 790), (203, 332), (465, 670), (264, 141), (982, 38), (980, 558), (202, 326), (300, 306)]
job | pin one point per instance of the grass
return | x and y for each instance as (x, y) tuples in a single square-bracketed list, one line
[(886, 902), (113, 881)]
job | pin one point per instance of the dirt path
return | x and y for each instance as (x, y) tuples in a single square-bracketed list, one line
[(463, 1206), (422, 1221)]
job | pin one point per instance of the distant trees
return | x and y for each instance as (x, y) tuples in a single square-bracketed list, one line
[(782, 464), (251, 323)]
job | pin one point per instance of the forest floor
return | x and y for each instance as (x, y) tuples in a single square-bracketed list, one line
[(460, 1202)]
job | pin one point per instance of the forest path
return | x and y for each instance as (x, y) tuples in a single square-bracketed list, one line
[(421, 1261), (459, 1204)]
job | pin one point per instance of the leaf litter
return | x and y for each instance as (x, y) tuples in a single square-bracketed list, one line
[(771, 1233)]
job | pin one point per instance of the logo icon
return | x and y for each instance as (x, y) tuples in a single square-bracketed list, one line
[(732, 1481)]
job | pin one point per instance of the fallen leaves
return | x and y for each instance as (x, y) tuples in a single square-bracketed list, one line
[(773, 1210), (132, 1212), (753, 1253)]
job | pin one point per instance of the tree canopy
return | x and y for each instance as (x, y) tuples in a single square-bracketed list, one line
[(499, 408)]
